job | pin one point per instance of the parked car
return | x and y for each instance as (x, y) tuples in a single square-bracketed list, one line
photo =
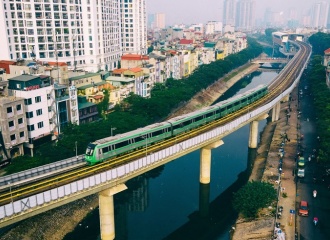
[(303, 208), (301, 162), (301, 172)]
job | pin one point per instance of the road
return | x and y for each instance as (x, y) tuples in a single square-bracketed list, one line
[(318, 206)]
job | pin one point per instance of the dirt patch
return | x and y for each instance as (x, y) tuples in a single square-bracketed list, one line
[(54, 224)]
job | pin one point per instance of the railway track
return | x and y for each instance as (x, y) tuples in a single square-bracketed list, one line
[(284, 80)]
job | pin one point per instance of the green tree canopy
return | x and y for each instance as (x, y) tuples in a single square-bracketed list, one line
[(252, 197)]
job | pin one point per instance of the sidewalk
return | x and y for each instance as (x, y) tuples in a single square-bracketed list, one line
[(266, 168), (286, 139)]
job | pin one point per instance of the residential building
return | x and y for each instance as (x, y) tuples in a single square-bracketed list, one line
[(229, 12), (159, 21), (213, 27), (84, 34), (40, 106), (245, 14), (326, 63), (133, 60), (13, 130), (134, 26), (320, 12), (87, 111)]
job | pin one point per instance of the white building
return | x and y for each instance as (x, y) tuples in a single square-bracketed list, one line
[(159, 20), (320, 13), (86, 32), (245, 15), (229, 12), (40, 107), (213, 27), (134, 26)]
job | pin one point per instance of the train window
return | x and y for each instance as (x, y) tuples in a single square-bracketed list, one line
[(210, 114), (89, 151), (139, 139), (199, 118), (121, 144), (176, 126), (186, 123), (105, 149), (159, 132)]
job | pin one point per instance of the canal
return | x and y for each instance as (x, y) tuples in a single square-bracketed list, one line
[(170, 203)]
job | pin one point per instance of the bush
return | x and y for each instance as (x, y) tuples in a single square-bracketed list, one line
[(252, 197)]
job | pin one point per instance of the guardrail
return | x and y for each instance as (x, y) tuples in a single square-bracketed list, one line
[(38, 172)]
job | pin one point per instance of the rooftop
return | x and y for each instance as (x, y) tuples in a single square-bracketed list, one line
[(119, 79), (84, 76), (24, 77)]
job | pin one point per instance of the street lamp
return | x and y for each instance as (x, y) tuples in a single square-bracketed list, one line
[(111, 130), (76, 149)]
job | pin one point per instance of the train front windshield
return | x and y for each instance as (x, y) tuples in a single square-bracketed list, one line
[(90, 149)]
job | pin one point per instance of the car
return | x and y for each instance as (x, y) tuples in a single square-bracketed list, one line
[(301, 172), (301, 162), (303, 208)]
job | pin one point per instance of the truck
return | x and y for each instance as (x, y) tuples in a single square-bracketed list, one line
[(301, 172)]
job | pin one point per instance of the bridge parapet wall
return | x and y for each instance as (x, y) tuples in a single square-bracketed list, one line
[(44, 201)]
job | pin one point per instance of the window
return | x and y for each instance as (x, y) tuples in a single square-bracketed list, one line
[(19, 107), (29, 115), (38, 99), (9, 109), (28, 101), (20, 120), (12, 137), (30, 127), (21, 134), (11, 124), (49, 109), (39, 112), (40, 124), (48, 96)]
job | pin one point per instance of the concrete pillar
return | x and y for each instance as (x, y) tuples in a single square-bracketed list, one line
[(276, 112), (107, 216), (253, 139), (205, 159)]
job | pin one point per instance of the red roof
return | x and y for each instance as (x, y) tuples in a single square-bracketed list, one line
[(5, 64), (59, 64), (186, 41), (119, 70), (96, 97), (134, 57), (327, 51), (137, 69)]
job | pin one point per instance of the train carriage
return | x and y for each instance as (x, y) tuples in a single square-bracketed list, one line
[(192, 120), (241, 100), (106, 148)]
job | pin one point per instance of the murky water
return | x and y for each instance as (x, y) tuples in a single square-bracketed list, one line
[(170, 203)]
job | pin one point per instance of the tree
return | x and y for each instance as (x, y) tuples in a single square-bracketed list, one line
[(103, 106), (252, 197)]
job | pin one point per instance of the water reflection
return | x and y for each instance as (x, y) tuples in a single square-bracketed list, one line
[(170, 203)]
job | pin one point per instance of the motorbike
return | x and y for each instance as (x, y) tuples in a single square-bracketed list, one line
[(315, 221), (314, 193)]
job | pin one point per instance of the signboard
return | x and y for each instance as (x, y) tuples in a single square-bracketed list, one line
[(292, 211)]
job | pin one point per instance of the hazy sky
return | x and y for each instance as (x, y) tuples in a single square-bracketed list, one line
[(190, 11)]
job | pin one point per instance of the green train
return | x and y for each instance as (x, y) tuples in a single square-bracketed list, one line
[(107, 148)]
